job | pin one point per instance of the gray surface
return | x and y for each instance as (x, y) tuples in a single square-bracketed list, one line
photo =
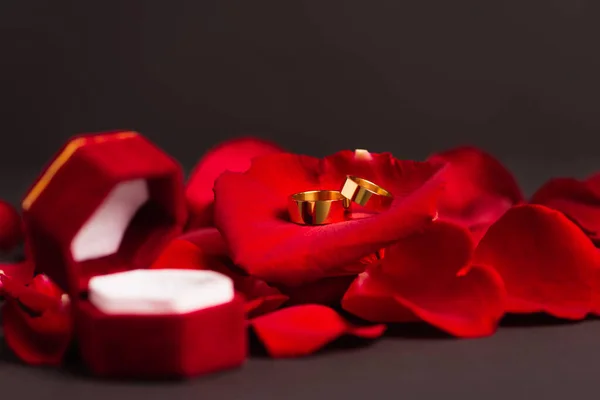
[(528, 358), (545, 362)]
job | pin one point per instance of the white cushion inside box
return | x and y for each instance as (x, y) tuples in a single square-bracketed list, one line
[(159, 291), (103, 232)]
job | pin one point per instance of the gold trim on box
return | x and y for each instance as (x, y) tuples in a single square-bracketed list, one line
[(62, 158)]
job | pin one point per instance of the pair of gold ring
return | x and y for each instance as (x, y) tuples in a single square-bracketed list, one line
[(320, 207)]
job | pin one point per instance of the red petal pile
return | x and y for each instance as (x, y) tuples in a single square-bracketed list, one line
[(458, 248), (430, 277), (265, 244)]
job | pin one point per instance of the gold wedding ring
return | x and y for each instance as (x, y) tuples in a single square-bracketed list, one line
[(318, 207), (366, 194)]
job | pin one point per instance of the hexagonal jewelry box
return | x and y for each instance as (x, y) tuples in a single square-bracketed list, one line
[(95, 220)]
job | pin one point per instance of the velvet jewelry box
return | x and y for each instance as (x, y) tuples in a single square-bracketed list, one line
[(95, 220)]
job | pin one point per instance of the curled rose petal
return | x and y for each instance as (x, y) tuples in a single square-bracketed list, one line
[(205, 249), (234, 155), (547, 263), (36, 340), (302, 330), (267, 245), (36, 321), (36, 300), (578, 200), (429, 277), (479, 189), (11, 228)]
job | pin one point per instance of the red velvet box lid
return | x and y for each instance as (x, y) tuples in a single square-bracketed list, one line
[(106, 203)]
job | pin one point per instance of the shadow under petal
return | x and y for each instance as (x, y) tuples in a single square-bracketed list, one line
[(537, 319), (255, 347), (346, 343), (416, 330)]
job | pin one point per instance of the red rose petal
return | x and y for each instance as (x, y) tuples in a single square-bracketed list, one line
[(205, 249), (42, 284), (547, 263), (428, 277), (34, 300), (302, 330), (373, 298), (36, 340), (578, 200), (40, 338), (479, 189), (11, 227), (234, 155), (251, 212)]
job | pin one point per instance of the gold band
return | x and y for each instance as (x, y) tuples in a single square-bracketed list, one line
[(367, 194), (317, 207)]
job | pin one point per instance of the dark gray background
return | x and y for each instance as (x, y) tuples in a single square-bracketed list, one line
[(518, 78)]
